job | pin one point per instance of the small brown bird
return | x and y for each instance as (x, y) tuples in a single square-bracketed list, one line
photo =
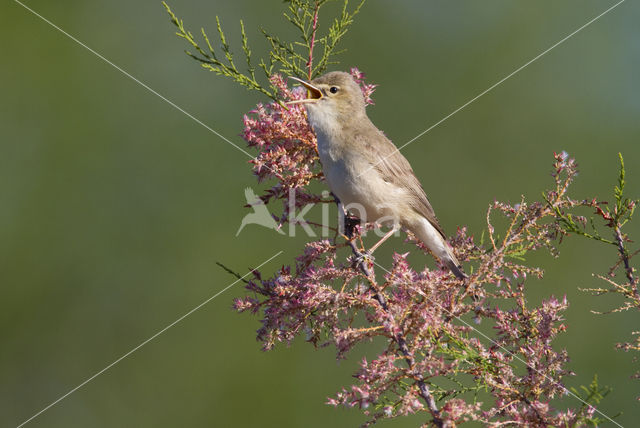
[(365, 170)]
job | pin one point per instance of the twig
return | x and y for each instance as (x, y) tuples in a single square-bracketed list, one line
[(313, 41), (624, 255), (232, 272)]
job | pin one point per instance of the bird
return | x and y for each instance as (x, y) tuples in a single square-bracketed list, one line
[(365, 170)]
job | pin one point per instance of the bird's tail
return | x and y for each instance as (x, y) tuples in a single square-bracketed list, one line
[(454, 265), (433, 239)]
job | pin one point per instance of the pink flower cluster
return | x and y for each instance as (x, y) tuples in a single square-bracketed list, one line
[(286, 145), (367, 88), (433, 361)]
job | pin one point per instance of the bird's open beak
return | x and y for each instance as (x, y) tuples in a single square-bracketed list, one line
[(313, 93)]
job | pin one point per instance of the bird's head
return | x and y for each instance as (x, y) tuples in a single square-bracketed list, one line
[(332, 97)]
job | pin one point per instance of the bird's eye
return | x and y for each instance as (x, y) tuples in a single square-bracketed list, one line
[(333, 89)]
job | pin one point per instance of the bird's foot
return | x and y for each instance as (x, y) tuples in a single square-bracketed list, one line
[(363, 257), (350, 226)]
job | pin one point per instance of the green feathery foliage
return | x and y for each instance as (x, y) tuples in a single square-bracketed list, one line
[(592, 395), (624, 206), (622, 212), (290, 58)]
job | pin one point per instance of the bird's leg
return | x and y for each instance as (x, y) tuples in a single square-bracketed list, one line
[(393, 230), (368, 254)]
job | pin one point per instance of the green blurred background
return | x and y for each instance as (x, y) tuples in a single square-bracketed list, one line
[(114, 206)]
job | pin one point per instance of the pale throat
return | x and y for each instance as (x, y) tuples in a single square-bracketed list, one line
[(326, 124), (324, 120)]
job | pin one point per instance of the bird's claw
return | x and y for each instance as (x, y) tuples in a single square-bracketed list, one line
[(362, 257), (350, 224)]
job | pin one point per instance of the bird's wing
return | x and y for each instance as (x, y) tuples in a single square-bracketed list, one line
[(395, 168)]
